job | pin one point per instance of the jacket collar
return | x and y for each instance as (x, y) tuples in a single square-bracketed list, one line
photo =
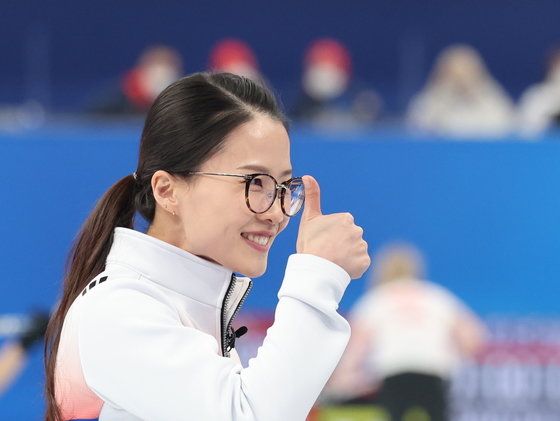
[(170, 266)]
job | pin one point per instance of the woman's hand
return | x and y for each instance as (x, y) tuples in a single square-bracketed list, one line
[(333, 237)]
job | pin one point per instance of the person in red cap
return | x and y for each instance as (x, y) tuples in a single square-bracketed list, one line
[(329, 95), (328, 68), (156, 68), (235, 56)]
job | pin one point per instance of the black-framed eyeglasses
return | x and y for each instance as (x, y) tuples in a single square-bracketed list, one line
[(261, 191)]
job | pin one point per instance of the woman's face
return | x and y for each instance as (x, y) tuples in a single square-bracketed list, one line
[(214, 220)]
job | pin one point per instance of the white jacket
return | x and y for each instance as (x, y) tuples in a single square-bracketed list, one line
[(144, 340)]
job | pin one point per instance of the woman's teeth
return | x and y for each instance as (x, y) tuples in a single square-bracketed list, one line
[(259, 239)]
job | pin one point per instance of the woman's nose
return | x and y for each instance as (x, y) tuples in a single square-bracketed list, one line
[(274, 214)]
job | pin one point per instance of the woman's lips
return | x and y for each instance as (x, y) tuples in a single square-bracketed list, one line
[(258, 240)]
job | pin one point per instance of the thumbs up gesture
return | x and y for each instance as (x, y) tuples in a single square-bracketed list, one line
[(334, 237)]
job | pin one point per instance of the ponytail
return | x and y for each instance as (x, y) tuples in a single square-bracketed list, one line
[(86, 260), (187, 123)]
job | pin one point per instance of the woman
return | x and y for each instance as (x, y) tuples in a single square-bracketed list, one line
[(143, 330)]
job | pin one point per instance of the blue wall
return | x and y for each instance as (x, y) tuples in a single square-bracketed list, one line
[(64, 52), (485, 214)]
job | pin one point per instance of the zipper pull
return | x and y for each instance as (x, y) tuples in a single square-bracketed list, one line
[(241, 331), (232, 335)]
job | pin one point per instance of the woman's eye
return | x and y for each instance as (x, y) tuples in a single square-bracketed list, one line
[(256, 183)]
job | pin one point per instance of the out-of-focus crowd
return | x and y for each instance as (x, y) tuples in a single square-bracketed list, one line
[(460, 98)]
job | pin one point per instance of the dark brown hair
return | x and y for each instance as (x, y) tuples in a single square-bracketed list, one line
[(187, 123)]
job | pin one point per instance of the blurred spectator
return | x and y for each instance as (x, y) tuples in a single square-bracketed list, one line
[(539, 106), (408, 335), (330, 95), (13, 354), (461, 98), (157, 67), (235, 56), (27, 116)]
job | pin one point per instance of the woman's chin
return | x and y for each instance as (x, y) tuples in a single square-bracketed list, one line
[(252, 272)]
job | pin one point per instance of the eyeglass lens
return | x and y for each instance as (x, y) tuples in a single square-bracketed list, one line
[(262, 193)]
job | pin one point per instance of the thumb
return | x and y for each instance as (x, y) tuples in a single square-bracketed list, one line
[(312, 198)]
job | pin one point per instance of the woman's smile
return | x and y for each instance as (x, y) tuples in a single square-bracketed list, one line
[(259, 240)]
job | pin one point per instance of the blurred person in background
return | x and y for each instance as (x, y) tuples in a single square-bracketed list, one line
[(461, 98), (408, 337), (539, 106), (14, 352), (235, 56), (157, 67), (330, 96)]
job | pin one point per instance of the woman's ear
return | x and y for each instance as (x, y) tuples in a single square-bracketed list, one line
[(165, 188)]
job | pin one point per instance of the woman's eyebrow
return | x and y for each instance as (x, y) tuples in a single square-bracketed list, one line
[(258, 168)]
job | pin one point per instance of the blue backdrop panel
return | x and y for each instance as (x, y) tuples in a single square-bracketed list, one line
[(485, 214)]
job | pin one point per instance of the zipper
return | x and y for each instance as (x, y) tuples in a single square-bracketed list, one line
[(228, 334)]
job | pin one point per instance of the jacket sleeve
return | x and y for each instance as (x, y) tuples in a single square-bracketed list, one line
[(138, 357)]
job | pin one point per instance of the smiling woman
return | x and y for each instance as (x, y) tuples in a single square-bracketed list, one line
[(144, 326), (227, 237)]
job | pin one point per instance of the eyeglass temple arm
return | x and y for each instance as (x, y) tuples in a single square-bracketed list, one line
[(245, 176)]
